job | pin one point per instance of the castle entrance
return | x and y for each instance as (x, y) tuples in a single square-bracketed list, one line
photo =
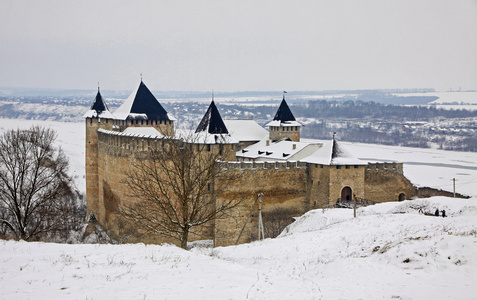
[(346, 194)]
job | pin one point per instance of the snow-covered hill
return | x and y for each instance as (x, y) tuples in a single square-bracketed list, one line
[(389, 251)]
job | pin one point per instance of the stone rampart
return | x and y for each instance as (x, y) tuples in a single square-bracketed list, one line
[(262, 165), (386, 182), (283, 184), (123, 144)]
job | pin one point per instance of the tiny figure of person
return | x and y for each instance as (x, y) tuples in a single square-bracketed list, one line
[(436, 213)]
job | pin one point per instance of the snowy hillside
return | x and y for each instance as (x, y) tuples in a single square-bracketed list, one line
[(389, 251)]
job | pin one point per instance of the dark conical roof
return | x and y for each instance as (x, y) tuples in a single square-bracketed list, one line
[(99, 105), (212, 121), (284, 113), (142, 101)]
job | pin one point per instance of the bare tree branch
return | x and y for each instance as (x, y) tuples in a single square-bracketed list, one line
[(175, 185), (36, 198)]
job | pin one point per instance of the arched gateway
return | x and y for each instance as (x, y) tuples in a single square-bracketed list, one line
[(346, 194)]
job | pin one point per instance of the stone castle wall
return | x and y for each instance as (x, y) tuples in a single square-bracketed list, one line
[(294, 186), (386, 182), (346, 176), (283, 184)]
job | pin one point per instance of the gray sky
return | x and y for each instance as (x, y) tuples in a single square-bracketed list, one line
[(239, 45)]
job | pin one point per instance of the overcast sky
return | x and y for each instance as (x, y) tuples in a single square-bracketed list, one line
[(239, 45)]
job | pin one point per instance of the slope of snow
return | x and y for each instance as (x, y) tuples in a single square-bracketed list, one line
[(389, 251)]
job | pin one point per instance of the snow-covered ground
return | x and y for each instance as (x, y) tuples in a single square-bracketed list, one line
[(389, 251)]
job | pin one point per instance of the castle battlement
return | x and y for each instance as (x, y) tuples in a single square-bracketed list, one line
[(120, 143), (262, 165), (390, 167)]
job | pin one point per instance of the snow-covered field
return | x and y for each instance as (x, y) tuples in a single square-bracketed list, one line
[(389, 251), (71, 138)]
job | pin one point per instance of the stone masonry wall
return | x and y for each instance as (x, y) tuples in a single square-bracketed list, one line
[(91, 161), (385, 182), (346, 176), (319, 185), (296, 187), (283, 184), (281, 132)]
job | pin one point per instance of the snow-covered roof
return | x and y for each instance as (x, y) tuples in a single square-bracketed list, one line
[(142, 103), (204, 137), (267, 150), (98, 109), (283, 123), (143, 131), (333, 153), (284, 117), (246, 130), (102, 115)]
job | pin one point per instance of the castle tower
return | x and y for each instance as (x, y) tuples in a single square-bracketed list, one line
[(284, 124), (97, 117), (212, 121), (142, 109), (216, 135)]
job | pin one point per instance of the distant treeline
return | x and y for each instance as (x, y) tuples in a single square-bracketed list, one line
[(372, 110)]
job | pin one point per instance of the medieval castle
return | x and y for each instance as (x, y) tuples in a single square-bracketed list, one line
[(292, 175)]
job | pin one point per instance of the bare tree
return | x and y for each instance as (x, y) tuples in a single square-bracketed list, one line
[(36, 198), (176, 185)]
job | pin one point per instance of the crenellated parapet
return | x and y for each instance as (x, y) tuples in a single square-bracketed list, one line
[(392, 167), (124, 144), (262, 165)]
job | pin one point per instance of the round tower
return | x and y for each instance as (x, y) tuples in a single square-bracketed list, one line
[(97, 117)]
